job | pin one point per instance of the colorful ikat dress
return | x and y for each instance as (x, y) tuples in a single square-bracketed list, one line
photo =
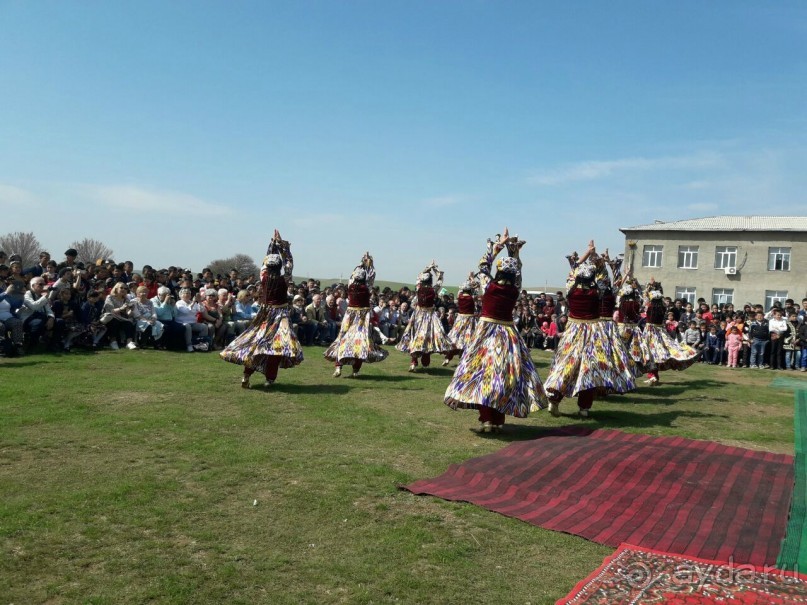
[(355, 341), (269, 341), (496, 370)]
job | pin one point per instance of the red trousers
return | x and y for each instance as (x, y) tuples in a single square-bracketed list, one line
[(487, 414), (270, 369)]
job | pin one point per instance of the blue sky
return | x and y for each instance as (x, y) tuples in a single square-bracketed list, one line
[(181, 132)]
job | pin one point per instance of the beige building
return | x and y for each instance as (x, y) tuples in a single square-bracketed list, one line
[(736, 259)]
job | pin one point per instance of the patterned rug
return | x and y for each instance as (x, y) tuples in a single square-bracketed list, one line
[(641, 576), (696, 498)]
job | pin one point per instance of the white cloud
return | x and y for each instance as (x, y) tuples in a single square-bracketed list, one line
[(602, 169), (15, 196), (129, 197)]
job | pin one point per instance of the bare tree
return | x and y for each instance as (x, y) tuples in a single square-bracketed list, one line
[(241, 262), (24, 244), (90, 250)]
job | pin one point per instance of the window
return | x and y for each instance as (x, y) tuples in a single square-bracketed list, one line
[(771, 296), (687, 257), (778, 259), (686, 293), (725, 256), (651, 257), (722, 296)]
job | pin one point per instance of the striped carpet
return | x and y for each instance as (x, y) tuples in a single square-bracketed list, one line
[(672, 494)]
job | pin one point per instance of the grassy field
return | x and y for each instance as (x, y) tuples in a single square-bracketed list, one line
[(145, 476)]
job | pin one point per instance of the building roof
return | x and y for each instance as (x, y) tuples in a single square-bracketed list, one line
[(728, 223)]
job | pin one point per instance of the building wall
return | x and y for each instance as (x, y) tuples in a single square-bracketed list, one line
[(752, 279)]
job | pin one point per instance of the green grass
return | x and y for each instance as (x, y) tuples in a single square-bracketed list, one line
[(144, 476)]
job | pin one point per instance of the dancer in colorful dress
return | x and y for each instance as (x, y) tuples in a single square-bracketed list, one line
[(464, 328), (355, 343), (660, 350), (496, 374), (424, 334), (269, 342), (608, 310), (586, 363), (629, 311)]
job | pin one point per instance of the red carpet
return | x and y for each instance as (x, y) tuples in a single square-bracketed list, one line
[(641, 576), (671, 494)]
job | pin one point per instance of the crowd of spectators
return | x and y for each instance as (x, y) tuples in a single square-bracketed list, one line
[(774, 338), (64, 304)]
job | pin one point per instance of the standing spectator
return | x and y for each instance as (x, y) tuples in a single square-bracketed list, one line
[(791, 344), (722, 331), (734, 343), (692, 336), (38, 269), (759, 335), (778, 330), (802, 342), (711, 347)]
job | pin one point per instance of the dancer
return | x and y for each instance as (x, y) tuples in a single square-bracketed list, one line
[(464, 328), (269, 342), (496, 374), (586, 361), (355, 343), (424, 334), (629, 309), (660, 350), (608, 310)]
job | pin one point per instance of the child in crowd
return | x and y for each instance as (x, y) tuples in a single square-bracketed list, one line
[(722, 331), (734, 344), (711, 348), (671, 325)]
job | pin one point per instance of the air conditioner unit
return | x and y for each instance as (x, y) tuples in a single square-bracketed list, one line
[(730, 270)]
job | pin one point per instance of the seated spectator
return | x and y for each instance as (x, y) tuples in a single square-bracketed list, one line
[(68, 324), (227, 308), (212, 315), (36, 315), (11, 302), (333, 317), (316, 328), (91, 311), (297, 317), (117, 316), (145, 315), (166, 311), (189, 314)]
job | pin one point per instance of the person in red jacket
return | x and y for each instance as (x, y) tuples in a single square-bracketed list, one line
[(355, 343), (496, 374), (424, 334), (269, 342)]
